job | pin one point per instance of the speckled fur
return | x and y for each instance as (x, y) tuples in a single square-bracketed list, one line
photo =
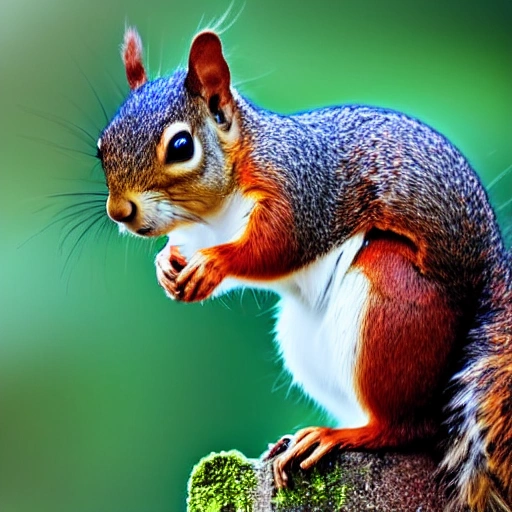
[(353, 166), (346, 170)]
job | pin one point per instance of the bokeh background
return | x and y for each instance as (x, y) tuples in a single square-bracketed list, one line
[(109, 392)]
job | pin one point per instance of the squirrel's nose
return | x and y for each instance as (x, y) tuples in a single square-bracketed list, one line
[(121, 210)]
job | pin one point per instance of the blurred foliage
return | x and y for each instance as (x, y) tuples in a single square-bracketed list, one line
[(109, 392)]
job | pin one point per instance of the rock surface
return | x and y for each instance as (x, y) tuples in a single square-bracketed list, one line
[(346, 481)]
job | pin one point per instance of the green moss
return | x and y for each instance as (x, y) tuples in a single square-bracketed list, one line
[(320, 490), (220, 482)]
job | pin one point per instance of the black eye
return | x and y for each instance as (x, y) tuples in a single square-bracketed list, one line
[(180, 148)]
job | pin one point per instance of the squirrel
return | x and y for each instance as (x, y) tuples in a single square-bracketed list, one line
[(395, 310)]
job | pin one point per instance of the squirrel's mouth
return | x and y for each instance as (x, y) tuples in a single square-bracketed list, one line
[(154, 230), (150, 231), (145, 231)]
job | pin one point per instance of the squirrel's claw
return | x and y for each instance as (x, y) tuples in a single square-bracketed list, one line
[(168, 266), (198, 279), (276, 449), (301, 443)]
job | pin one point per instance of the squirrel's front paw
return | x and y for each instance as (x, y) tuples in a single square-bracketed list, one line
[(198, 279), (168, 267)]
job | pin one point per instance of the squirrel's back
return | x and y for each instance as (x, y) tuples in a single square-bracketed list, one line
[(352, 166)]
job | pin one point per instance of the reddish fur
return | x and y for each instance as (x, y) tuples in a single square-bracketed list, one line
[(268, 248), (407, 336), (132, 58)]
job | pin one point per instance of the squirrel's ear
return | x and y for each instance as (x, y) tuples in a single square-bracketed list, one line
[(208, 73), (132, 58)]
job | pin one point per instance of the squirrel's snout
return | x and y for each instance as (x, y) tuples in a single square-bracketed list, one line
[(136, 213), (121, 210)]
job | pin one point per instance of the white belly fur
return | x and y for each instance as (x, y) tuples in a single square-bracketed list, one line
[(318, 329), (226, 225), (320, 312)]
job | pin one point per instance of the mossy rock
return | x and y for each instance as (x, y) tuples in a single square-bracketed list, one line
[(341, 482), (317, 490), (222, 482)]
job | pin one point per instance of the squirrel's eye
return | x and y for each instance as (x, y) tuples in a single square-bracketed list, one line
[(180, 148)]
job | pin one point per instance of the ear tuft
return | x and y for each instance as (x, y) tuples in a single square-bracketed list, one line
[(208, 73), (131, 52)]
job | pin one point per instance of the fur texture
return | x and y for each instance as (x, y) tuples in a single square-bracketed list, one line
[(395, 281)]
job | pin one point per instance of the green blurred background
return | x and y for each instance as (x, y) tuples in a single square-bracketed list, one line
[(109, 392)]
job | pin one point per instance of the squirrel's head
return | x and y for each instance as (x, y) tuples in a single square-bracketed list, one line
[(166, 152)]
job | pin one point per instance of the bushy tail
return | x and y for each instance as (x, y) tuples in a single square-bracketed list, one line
[(478, 461)]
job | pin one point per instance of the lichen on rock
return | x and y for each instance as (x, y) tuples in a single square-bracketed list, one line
[(321, 491), (222, 482), (340, 482)]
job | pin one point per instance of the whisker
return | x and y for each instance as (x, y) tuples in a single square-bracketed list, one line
[(234, 20), (94, 91), (98, 58), (120, 91), (242, 293), (63, 219), (75, 194), (82, 203), (500, 176), (217, 25), (224, 303), (85, 113), (73, 128), (268, 310), (52, 144), (504, 205), (129, 241), (240, 83), (96, 219), (75, 226), (200, 24), (106, 224), (255, 297), (83, 180), (95, 166), (73, 215), (160, 57), (282, 381)]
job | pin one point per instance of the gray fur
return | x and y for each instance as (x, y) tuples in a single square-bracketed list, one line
[(343, 166), (344, 169)]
